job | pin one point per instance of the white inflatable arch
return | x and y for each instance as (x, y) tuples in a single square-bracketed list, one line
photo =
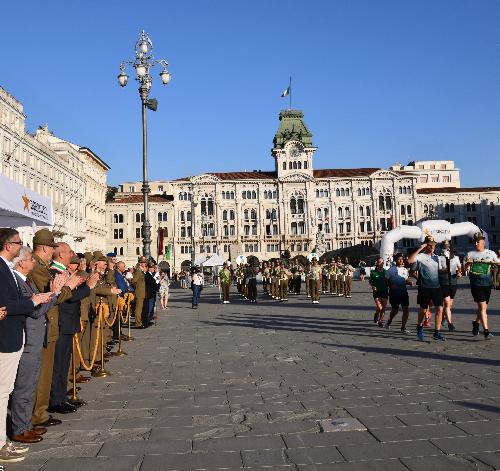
[(439, 230)]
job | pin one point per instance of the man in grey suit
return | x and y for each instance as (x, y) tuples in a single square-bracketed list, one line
[(29, 364)]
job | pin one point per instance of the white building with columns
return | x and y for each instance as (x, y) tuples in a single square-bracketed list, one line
[(73, 177)]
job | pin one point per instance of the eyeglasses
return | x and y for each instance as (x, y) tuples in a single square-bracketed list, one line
[(17, 242)]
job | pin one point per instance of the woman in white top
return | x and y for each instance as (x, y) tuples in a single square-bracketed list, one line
[(164, 290), (196, 285)]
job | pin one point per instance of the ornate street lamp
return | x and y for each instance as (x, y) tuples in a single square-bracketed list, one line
[(143, 63)]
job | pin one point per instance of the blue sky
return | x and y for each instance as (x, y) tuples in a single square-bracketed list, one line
[(379, 81)]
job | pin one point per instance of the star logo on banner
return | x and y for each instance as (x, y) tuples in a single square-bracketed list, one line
[(26, 202)]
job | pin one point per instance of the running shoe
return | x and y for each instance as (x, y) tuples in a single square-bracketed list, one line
[(438, 336), (375, 318), (475, 328), (420, 334), (406, 331), (387, 325), (488, 336), (451, 328)]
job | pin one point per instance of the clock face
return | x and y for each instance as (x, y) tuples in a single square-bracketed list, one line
[(295, 151)]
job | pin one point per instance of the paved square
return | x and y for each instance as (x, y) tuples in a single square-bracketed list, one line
[(245, 386)]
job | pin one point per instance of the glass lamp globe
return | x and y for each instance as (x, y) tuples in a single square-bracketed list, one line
[(165, 77), (122, 79), (141, 70), (143, 46)]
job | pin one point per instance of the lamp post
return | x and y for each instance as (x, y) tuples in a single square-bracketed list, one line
[(143, 63)]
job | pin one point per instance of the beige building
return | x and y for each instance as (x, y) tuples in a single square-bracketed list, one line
[(432, 173), (124, 219), (73, 177)]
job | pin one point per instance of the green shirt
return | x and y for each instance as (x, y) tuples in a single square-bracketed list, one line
[(377, 279)]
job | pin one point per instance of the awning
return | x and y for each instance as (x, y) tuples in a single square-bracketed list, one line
[(214, 261), (20, 206)]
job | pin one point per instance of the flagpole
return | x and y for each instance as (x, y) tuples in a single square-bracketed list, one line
[(290, 94)]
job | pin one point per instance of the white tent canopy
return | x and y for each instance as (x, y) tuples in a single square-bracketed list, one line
[(21, 207), (214, 261), (200, 259)]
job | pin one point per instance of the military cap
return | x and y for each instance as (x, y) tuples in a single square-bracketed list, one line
[(100, 258), (44, 237), (88, 257), (83, 274), (74, 260), (151, 264), (97, 253), (429, 240), (142, 260), (111, 254), (478, 236)]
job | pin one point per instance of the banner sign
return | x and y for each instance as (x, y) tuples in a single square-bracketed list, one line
[(20, 206)]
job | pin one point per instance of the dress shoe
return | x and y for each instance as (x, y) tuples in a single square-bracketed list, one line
[(27, 437), (63, 408), (76, 403), (39, 430), (48, 423)]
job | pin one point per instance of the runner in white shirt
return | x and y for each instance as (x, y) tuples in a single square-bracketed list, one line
[(450, 270)]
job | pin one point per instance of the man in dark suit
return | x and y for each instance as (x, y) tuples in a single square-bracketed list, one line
[(21, 401), (11, 331)]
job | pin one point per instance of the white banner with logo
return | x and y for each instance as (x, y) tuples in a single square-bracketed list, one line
[(20, 206)]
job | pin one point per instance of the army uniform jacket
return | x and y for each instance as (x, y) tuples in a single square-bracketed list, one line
[(139, 283)]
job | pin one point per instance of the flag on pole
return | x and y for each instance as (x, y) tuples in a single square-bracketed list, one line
[(286, 92), (168, 252)]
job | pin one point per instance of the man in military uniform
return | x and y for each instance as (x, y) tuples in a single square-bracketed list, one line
[(265, 275), (225, 283), (283, 277), (340, 277), (139, 284), (332, 279), (315, 281), (112, 298), (41, 276), (348, 272)]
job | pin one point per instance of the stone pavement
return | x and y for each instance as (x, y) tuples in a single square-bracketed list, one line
[(260, 387)]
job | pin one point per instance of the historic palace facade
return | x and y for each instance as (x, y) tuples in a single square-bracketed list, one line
[(295, 207)]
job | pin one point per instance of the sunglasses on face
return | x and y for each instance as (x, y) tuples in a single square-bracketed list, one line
[(17, 242)]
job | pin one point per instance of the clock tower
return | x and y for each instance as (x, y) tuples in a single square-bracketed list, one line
[(293, 149)]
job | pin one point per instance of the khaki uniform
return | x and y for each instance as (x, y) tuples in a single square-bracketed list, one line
[(41, 277), (348, 271), (139, 284), (283, 275), (225, 283), (315, 282)]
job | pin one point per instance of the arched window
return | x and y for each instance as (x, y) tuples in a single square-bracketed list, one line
[(137, 217), (273, 214), (268, 214), (426, 208), (408, 209), (368, 211), (245, 214), (120, 218), (317, 193), (319, 213), (361, 211), (244, 195), (340, 212), (342, 192), (188, 216), (326, 212), (295, 166), (182, 216), (289, 165), (299, 165), (224, 215), (284, 165), (305, 165), (265, 194), (121, 250), (253, 214), (381, 204), (337, 192), (160, 217), (137, 251), (254, 195), (388, 203), (359, 191), (294, 228), (293, 205), (403, 212), (115, 218), (347, 212), (300, 205), (210, 207), (363, 192), (231, 215), (274, 195), (348, 192)]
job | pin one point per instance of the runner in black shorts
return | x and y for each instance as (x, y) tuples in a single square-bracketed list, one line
[(429, 289), (480, 262), (397, 279), (380, 293)]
